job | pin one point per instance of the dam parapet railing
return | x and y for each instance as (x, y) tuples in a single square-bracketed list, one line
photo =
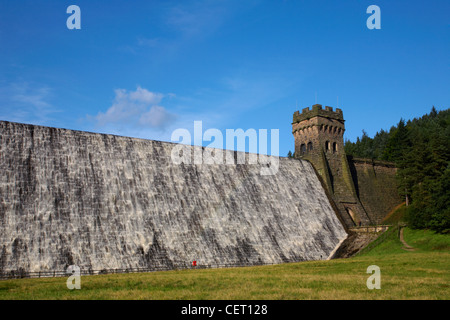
[(22, 274), (370, 229)]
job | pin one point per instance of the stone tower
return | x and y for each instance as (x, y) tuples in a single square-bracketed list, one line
[(319, 139)]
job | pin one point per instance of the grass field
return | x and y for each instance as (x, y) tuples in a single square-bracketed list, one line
[(420, 274)]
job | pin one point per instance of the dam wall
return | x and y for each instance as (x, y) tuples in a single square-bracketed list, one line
[(376, 185), (101, 201)]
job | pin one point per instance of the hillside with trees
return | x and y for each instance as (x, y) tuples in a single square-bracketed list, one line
[(420, 148)]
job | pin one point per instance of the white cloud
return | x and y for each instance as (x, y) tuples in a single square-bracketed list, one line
[(145, 96), (157, 116), (184, 23), (136, 108), (35, 97), (26, 102), (148, 42)]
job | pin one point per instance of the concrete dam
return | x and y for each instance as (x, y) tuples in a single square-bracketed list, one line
[(101, 201)]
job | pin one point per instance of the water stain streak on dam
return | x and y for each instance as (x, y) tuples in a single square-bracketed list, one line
[(104, 201)]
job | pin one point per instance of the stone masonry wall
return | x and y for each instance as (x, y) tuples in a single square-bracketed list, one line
[(376, 186)]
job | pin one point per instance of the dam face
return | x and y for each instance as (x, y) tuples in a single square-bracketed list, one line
[(109, 202)]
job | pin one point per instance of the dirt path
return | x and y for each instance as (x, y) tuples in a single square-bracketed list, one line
[(406, 246)]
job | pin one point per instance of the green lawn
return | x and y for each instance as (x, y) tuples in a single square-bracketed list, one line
[(420, 274)]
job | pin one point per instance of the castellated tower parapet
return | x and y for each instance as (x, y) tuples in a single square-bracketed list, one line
[(318, 111), (318, 129), (319, 138)]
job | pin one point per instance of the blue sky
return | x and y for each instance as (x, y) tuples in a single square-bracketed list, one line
[(146, 68)]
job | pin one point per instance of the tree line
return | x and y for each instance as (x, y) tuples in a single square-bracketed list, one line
[(420, 148)]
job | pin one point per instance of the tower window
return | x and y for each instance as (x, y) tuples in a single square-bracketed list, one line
[(334, 147), (303, 149), (327, 146), (310, 146)]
